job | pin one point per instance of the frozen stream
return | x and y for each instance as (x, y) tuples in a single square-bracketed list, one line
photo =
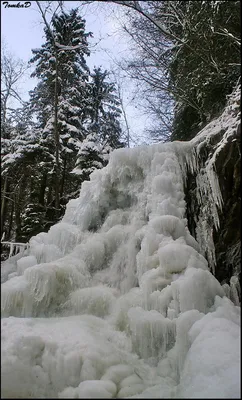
[(116, 300)]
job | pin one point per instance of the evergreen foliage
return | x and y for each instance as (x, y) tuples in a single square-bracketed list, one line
[(90, 157), (102, 126), (65, 58), (87, 114)]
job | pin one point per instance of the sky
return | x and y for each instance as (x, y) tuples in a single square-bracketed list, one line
[(22, 30)]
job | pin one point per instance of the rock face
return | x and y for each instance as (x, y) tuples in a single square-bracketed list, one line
[(227, 238), (218, 152)]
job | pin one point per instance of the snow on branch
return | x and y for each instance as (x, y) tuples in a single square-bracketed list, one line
[(225, 32), (63, 47)]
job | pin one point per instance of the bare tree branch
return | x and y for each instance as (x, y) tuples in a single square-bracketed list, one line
[(135, 5), (12, 70)]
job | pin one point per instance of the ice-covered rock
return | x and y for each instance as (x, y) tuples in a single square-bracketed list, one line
[(117, 300)]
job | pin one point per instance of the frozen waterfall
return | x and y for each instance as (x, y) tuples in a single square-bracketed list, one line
[(117, 300)]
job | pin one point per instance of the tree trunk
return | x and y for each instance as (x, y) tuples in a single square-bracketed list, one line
[(49, 192), (42, 189), (10, 222), (4, 204), (63, 178), (17, 221), (57, 139), (17, 210), (56, 133)]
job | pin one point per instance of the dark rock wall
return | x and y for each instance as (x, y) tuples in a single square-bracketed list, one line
[(227, 237), (227, 240)]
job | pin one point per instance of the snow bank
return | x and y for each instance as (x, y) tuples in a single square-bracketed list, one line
[(206, 373), (116, 300)]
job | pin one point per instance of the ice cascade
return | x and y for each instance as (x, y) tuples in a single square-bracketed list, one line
[(117, 300)]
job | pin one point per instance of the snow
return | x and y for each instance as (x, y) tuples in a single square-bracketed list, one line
[(63, 47), (24, 263), (117, 299), (203, 368)]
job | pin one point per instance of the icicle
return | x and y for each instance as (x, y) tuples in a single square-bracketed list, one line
[(235, 290)]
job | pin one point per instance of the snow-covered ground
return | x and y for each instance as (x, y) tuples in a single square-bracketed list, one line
[(116, 300)]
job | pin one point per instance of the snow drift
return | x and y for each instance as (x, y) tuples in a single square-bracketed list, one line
[(117, 300)]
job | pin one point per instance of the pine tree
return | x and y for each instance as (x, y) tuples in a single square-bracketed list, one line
[(63, 72), (103, 129), (71, 41), (24, 164), (91, 156), (105, 109), (87, 112)]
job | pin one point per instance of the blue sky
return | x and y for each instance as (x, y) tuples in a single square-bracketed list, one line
[(22, 30)]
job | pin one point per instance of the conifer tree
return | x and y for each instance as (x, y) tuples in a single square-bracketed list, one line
[(87, 113), (91, 156), (105, 109), (103, 129), (59, 99)]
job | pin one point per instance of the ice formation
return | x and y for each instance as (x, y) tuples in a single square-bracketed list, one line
[(116, 300)]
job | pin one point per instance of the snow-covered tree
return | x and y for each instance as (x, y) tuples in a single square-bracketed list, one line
[(104, 109), (59, 99), (12, 70), (91, 156), (69, 113), (25, 164), (103, 129)]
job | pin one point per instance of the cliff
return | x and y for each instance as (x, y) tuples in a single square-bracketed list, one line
[(213, 195)]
